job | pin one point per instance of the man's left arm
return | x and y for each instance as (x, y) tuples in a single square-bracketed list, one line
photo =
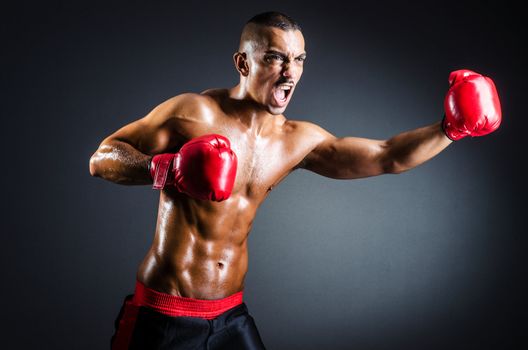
[(354, 157), (472, 108)]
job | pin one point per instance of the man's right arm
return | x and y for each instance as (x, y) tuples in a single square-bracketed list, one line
[(124, 156)]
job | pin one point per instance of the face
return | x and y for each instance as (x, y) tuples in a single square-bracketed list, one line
[(275, 67)]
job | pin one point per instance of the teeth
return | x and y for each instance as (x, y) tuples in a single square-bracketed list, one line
[(285, 87)]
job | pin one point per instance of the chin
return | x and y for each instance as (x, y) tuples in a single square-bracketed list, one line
[(276, 110)]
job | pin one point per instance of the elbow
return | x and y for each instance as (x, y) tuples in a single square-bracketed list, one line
[(95, 164), (394, 167), (391, 163), (94, 171), (98, 158), (396, 171)]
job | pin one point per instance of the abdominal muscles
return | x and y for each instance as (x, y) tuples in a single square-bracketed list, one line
[(199, 249)]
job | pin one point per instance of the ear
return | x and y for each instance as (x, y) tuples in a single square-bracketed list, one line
[(241, 63)]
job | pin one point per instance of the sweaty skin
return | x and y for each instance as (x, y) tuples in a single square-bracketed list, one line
[(199, 248)]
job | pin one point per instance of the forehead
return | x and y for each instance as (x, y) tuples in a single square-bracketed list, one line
[(287, 41)]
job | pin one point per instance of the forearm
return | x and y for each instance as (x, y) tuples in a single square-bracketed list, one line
[(121, 163), (412, 148)]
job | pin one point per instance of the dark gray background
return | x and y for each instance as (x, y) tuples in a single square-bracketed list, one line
[(429, 259)]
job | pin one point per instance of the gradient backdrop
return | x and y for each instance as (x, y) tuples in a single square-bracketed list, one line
[(429, 259)]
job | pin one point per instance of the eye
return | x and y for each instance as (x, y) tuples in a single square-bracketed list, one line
[(271, 58), (300, 59)]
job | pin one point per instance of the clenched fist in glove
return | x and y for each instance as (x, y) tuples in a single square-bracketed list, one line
[(204, 168), (472, 106)]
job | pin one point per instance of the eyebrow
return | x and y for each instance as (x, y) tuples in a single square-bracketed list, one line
[(275, 52)]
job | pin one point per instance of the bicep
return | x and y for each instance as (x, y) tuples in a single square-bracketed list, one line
[(348, 158), (155, 133)]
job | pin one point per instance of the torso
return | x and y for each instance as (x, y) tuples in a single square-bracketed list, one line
[(200, 247)]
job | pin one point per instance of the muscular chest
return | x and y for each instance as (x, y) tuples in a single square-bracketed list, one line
[(262, 163), (266, 151)]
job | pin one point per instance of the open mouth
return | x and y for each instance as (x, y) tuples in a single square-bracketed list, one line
[(281, 93)]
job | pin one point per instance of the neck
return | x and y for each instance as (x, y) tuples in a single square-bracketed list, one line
[(250, 112), (240, 92), (247, 103)]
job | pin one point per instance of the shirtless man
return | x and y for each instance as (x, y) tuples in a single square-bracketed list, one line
[(189, 286)]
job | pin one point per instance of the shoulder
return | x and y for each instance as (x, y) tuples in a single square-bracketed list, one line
[(307, 130), (216, 92), (303, 137), (188, 106), (188, 101)]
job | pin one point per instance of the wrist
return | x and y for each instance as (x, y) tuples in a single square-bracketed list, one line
[(149, 166), (160, 169), (445, 129), (442, 126)]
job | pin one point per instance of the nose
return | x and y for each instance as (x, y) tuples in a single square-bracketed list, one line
[(287, 70)]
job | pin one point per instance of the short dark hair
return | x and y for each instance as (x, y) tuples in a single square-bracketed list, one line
[(275, 19)]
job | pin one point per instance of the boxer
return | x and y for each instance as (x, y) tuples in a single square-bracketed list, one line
[(216, 155)]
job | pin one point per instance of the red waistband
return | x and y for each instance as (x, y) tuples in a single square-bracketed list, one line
[(173, 305)]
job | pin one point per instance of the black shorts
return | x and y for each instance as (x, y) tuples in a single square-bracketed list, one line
[(140, 327)]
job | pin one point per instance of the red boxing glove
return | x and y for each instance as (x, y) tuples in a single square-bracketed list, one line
[(204, 168), (472, 106)]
